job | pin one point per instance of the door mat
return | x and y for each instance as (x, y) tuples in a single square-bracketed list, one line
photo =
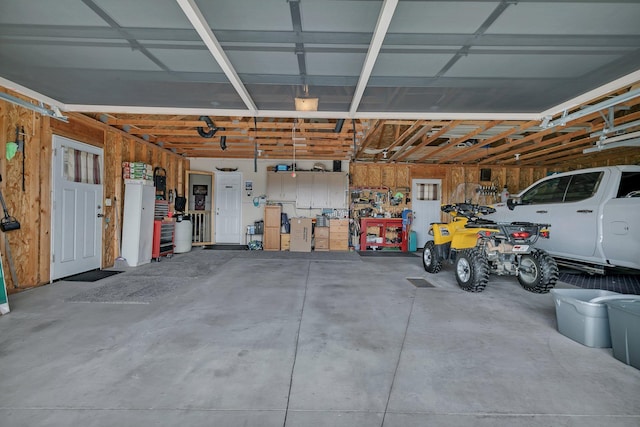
[(139, 291), (227, 247), (91, 276), (387, 253), (420, 283), (621, 283)]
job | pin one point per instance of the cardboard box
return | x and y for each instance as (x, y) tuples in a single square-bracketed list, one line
[(300, 235)]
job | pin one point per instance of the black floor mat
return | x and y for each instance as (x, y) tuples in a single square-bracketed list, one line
[(387, 253), (622, 283), (420, 283), (227, 247), (91, 276)]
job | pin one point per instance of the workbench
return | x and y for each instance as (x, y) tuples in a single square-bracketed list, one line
[(389, 230)]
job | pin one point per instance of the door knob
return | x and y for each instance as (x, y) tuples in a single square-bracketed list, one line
[(100, 215)]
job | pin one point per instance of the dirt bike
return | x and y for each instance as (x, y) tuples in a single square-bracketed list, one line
[(480, 247)]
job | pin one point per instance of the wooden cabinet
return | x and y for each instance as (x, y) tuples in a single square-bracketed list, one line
[(321, 237), (271, 238), (285, 241), (339, 234)]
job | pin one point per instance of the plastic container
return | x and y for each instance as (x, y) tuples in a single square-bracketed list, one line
[(182, 236), (624, 325), (581, 320), (413, 241)]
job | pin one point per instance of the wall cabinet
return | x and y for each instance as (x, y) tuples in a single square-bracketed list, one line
[(281, 186), (316, 190)]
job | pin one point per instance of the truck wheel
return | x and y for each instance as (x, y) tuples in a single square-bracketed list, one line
[(472, 270), (538, 272), (430, 260)]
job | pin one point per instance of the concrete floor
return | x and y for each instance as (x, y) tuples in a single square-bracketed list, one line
[(244, 338)]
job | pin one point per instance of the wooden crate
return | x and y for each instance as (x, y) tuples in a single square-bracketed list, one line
[(285, 242), (339, 235), (321, 236)]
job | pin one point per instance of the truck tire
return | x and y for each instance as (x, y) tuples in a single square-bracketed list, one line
[(538, 272), (430, 260), (472, 270)]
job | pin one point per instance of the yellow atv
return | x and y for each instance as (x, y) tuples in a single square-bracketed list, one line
[(479, 247)]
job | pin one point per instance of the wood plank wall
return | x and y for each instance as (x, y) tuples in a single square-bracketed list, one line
[(31, 245), (375, 174)]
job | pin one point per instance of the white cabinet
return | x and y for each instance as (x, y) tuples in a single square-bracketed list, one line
[(337, 185), (319, 190), (281, 186), (137, 222), (316, 190)]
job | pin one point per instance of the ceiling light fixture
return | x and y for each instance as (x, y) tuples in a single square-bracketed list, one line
[(306, 103)]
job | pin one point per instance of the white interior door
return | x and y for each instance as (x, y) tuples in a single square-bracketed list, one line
[(76, 220), (228, 207), (426, 195)]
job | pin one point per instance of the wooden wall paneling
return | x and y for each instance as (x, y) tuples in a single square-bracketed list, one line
[(538, 173), (526, 178), (140, 152), (457, 177), (112, 190), (403, 176), (129, 154), (512, 180), (359, 175), (388, 176), (4, 137), (44, 249), (24, 204), (77, 130), (374, 175)]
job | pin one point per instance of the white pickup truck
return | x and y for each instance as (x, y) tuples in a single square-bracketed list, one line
[(594, 216)]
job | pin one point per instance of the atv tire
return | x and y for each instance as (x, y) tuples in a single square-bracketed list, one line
[(472, 270), (430, 260), (538, 272)]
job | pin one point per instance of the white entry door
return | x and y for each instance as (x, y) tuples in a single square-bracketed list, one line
[(76, 206), (426, 195), (228, 207)]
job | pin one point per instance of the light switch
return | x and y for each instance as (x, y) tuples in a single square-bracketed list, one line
[(107, 202)]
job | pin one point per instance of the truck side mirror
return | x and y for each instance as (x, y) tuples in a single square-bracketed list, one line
[(511, 203)]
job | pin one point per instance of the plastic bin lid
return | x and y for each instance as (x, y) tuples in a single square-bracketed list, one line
[(605, 298), (630, 305)]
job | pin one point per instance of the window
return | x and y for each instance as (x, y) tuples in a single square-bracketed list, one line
[(81, 166), (428, 192), (583, 186), (550, 191), (629, 185)]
